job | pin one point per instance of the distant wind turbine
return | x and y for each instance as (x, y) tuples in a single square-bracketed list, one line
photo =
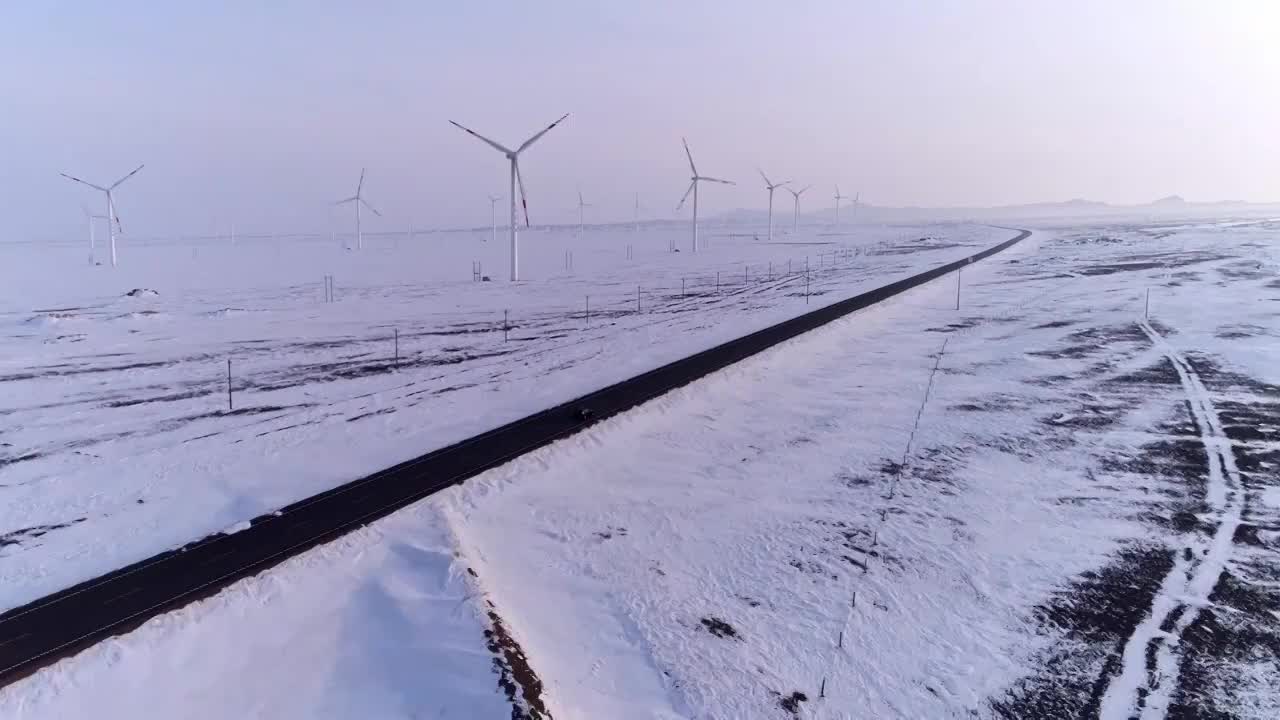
[(92, 230), (581, 205), (513, 156), (359, 200), (771, 186), (693, 188), (493, 216), (113, 220), (637, 227), (839, 197), (795, 220)]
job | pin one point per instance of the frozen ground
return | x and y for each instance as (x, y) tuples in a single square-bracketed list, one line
[(1042, 506), (114, 419)]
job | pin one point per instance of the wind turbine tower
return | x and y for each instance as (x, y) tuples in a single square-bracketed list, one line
[(693, 188), (92, 230), (771, 186), (581, 205), (493, 216), (359, 200), (113, 220), (839, 197), (513, 156), (795, 219)]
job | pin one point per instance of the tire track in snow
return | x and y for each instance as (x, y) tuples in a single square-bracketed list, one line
[(1150, 660)]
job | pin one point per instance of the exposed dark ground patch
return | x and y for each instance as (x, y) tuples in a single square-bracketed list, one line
[(718, 627), (1094, 616), (952, 327), (791, 703), (516, 677), (1241, 627), (1134, 263), (17, 537), (1240, 330), (1093, 341)]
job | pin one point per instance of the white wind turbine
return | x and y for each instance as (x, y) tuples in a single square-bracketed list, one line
[(113, 220), (581, 205), (92, 230), (839, 197), (513, 156), (771, 186), (795, 194), (493, 216), (693, 188), (359, 200)]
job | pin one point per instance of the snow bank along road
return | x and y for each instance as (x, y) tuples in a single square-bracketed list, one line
[(48, 628), (1048, 504)]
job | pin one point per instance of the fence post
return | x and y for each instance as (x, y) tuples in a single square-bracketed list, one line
[(745, 268), (506, 325), (587, 314), (717, 282), (396, 340), (958, 287), (637, 298), (770, 271), (806, 286), (1146, 308), (229, 405), (682, 288)]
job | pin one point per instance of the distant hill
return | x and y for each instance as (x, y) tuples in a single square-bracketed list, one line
[(1170, 206)]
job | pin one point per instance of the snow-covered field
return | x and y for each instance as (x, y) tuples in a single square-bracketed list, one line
[(1045, 505), (114, 418)]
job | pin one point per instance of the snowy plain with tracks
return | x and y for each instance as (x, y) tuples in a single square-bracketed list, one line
[(1050, 503)]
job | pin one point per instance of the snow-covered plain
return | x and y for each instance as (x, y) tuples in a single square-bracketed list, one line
[(911, 513), (114, 421)]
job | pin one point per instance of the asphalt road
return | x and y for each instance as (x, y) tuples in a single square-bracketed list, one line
[(61, 624)]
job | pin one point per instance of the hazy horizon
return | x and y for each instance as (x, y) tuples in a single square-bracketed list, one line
[(263, 116)]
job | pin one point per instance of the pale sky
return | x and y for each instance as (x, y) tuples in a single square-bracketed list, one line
[(262, 113)]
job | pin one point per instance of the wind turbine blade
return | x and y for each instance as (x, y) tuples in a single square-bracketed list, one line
[(717, 180), (534, 139), (116, 184), (353, 198), (360, 185), (496, 146), (784, 182), (689, 155), (806, 187), (83, 182), (544, 131), (767, 183), (524, 200), (366, 204), (686, 196)]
